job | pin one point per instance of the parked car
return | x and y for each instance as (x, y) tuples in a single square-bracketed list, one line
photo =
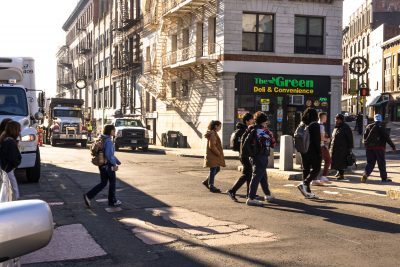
[(348, 117), (18, 235)]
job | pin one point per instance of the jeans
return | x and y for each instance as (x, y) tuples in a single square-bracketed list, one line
[(327, 160), (246, 175), (106, 175), (374, 156), (14, 184), (311, 167), (211, 176), (260, 163)]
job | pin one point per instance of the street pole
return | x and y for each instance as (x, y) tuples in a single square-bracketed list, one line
[(358, 95)]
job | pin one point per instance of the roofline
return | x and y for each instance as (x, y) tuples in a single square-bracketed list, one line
[(74, 14), (391, 41)]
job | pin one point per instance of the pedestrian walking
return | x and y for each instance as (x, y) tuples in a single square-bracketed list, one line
[(107, 171), (214, 158), (341, 146), (375, 139), (257, 145), (312, 158), (10, 157), (90, 130), (326, 157), (238, 136), (359, 123)]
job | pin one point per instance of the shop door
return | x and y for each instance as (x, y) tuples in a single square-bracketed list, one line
[(293, 120), (151, 126)]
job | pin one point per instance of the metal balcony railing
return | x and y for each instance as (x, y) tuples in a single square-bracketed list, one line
[(171, 6), (192, 54)]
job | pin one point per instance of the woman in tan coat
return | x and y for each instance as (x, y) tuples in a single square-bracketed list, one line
[(214, 158)]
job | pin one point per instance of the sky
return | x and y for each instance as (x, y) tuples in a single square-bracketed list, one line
[(33, 28)]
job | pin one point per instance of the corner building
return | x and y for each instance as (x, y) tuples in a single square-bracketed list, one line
[(217, 60)]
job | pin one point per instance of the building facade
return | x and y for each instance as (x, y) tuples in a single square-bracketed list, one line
[(102, 52), (216, 60), (374, 22), (390, 99)]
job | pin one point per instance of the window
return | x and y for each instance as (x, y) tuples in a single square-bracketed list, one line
[(101, 69), (173, 89), (106, 97), (100, 105), (212, 34), (185, 88), (95, 99), (106, 66), (258, 32), (309, 35)]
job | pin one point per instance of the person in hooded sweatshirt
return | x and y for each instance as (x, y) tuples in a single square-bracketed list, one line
[(10, 156), (247, 170), (214, 158), (107, 171)]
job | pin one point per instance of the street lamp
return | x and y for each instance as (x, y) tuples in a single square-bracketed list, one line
[(359, 66)]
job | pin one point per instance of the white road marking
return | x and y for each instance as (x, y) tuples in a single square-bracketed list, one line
[(289, 185), (345, 239), (331, 192)]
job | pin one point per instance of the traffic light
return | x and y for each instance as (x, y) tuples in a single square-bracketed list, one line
[(364, 91)]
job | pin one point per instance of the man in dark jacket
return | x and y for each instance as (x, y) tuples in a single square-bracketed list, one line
[(341, 145), (247, 168), (312, 159), (375, 139)]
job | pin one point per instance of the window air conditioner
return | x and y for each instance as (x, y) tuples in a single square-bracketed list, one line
[(296, 100)]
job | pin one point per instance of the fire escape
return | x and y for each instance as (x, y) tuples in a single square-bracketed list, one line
[(124, 62), (196, 58), (65, 77)]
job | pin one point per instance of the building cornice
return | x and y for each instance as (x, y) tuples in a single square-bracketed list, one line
[(281, 59), (74, 15)]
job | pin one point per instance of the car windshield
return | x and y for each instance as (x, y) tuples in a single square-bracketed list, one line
[(66, 113), (13, 101), (128, 123)]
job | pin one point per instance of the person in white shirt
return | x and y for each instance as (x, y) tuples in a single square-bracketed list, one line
[(324, 150)]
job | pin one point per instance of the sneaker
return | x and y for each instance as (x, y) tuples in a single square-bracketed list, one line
[(254, 202), (387, 180), (340, 178), (117, 203), (317, 182), (325, 180), (87, 200), (214, 189), (303, 189), (269, 198), (337, 174), (205, 183), (364, 178), (312, 196), (232, 195)]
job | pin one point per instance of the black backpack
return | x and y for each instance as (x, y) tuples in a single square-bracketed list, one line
[(235, 139)]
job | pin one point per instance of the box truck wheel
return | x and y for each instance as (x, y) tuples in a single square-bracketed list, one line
[(33, 174), (83, 144), (145, 148)]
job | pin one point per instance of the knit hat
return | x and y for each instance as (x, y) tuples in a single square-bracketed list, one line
[(378, 117)]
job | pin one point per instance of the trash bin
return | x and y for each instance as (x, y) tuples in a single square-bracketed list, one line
[(172, 138), (182, 141), (164, 139)]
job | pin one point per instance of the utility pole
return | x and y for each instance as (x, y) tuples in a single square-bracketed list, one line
[(359, 66)]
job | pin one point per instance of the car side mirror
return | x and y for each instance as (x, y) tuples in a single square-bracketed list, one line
[(38, 116), (148, 127), (25, 226)]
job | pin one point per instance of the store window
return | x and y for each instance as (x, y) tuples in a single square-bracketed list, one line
[(185, 88), (309, 35), (258, 32)]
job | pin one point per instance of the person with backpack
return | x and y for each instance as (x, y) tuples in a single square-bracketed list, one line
[(257, 145), (10, 157), (308, 143), (341, 146), (214, 158), (236, 139), (375, 139), (107, 169)]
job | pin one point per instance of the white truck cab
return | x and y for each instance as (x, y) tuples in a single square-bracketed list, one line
[(130, 132), (18, 101)]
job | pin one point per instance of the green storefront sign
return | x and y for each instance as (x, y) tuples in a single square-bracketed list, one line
[(280, 81)]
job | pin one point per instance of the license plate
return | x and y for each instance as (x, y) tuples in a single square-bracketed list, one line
[(133, 141)]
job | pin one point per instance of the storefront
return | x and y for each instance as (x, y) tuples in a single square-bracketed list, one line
[(282, 97)]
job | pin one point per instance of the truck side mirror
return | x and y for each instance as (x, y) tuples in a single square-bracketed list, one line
[(19, 236)]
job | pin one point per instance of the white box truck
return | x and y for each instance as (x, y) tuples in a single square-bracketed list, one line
[(19, 101)]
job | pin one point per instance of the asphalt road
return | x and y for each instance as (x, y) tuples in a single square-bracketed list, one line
[(343, 228)]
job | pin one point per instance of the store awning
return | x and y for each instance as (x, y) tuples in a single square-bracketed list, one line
[(380, 103), (373, 100)]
